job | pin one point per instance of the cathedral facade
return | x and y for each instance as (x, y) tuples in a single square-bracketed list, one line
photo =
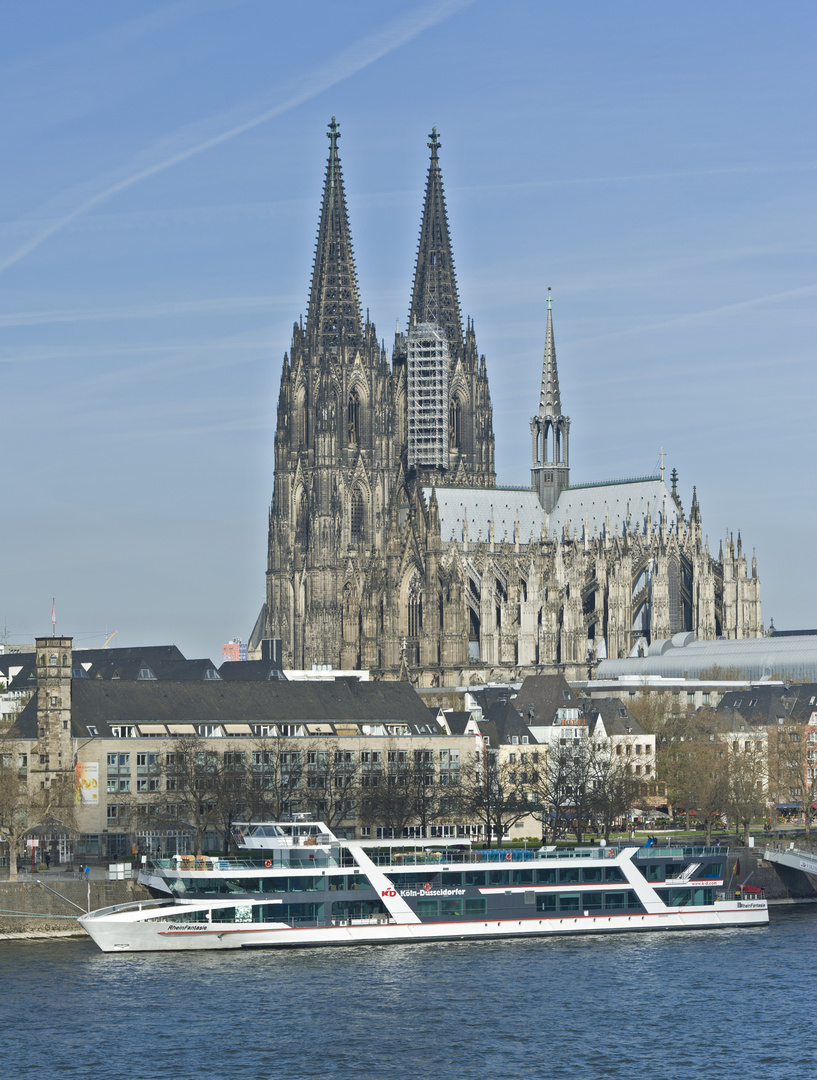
[(392, 548)]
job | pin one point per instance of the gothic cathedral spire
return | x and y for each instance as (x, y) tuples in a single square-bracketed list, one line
[(333, 316), (550, 430), (434, 297)]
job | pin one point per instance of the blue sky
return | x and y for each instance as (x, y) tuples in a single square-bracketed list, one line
[(163, 162)]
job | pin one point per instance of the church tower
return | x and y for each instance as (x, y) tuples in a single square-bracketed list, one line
[(550, 431), (449, 422), (332, 451)]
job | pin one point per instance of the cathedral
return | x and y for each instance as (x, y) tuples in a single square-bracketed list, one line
[(392, 548)]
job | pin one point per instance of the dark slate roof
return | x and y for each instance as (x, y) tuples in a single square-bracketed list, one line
[(249, 671), (508, 722), (170, 669), (540, 696), (766, 703), (615, 715), (101, 703), (14, 660), (457, 721), (164, 661)]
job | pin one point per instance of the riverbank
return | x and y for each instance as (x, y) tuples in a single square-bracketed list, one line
[(48, 905)]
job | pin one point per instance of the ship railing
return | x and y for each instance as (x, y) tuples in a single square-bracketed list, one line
[(265, 861), (485, 855), (135, 905), (658, 851)]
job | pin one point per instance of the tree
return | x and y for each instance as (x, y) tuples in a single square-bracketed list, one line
[(498, 793), (793, 767), (406, 789), (276, 786), (332, 783), (613, 789), (692, 758), (747, 773)]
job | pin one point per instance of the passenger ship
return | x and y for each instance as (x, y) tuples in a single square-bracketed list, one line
[(295, 883)]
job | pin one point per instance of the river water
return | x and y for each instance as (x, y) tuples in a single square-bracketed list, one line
[(663, 1006)]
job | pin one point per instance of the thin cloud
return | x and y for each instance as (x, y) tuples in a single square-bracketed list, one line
[(171, 309), (344, 65), (693, 317)]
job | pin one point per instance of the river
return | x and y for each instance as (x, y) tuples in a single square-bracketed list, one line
[(663, 1006)]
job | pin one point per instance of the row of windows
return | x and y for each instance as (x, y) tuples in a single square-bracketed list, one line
[(547, 875), (589, 901), (315, 759), (452, 907)]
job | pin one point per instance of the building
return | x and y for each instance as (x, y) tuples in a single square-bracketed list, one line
[(392, 548), (235, 649), (144, 761)]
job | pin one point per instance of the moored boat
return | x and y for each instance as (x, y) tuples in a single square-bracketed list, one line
[(296, 884)]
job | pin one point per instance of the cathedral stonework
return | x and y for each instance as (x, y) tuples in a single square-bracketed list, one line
[(391, 547)]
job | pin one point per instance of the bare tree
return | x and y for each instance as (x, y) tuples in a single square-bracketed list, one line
[(792, 752), (498, 793), (613, 789), (747, 773), (332, 783)]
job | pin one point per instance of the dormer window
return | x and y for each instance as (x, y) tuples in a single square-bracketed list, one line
[(146, 673), (211, 675)]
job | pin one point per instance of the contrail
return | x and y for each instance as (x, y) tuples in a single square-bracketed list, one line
[(346, 63)]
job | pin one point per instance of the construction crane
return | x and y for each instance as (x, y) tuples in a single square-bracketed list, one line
[(110, 639)]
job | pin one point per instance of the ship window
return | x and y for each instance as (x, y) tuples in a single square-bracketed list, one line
[(450, 907), (613, 873), (712, 870), (428, 908), (499, 877), (476, 906), (474, 877), (546, 876), (591, 873), (568, 875), (615, 899), (569, 901), (523, 877), (546, 902), (591, 900)]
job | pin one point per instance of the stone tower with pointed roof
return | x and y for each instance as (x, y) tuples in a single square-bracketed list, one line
[(391, 547), (550, 431)]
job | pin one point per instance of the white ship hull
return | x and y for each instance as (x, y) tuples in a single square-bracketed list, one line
[(124, 934)]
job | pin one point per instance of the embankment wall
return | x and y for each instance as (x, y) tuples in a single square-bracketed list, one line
[(27, 908)]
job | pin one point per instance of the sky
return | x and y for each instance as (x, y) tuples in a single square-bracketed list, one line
[(654, 164)]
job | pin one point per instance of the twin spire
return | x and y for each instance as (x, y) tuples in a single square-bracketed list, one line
[(434, 298), (334, 305), (333, 315)]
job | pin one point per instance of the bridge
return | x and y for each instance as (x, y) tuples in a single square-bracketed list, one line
[(806, 861)]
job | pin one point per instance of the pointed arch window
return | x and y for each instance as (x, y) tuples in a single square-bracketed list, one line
[(454, 424), (353, 419), (674, 590), (357, 518), (415, 608), (302, 520)]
